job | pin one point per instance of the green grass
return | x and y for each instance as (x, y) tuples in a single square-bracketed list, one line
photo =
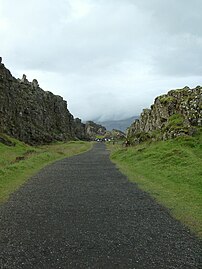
[(166, 99), (171, 171), (99, 136), (20, 162)]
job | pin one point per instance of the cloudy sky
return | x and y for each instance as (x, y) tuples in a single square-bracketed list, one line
[(108, 58)]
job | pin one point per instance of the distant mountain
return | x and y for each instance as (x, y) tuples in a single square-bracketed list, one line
[(121, 125)]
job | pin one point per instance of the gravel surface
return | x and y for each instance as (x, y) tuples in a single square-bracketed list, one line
[(81, 212)]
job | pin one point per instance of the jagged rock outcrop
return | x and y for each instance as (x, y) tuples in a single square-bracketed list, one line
[(118, 134), (115, 134), (93, 129), (174, 114), (30, 114), (80, 129)]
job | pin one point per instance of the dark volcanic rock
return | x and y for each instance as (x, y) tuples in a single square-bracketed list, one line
[(93, 129), (80, 129), (174, 114), (30, 114)]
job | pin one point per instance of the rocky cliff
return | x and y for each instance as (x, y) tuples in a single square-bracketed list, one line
[(80, 129), (174, 114), (93, 129), (30, 114)]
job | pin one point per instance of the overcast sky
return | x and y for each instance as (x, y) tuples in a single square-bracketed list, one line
[(108, 58)]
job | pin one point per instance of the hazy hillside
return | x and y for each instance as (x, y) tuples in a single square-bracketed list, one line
[(118, 124)]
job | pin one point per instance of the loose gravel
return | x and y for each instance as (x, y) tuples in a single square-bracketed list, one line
[(81, 212)]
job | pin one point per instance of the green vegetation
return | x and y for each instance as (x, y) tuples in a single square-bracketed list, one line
[(176, 123), (166, 99), (141, 137), (171, 171), (20, 161), (99, 136), (176, 120)]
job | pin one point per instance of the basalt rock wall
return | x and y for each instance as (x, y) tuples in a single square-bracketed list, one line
[(93, 129), (31, 114), (174, 114), (80, 129)]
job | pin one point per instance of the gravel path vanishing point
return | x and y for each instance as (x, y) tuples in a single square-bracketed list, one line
[(81, 212)]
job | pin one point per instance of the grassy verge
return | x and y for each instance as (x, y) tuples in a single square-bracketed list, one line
[(171, 171), (19, 162)]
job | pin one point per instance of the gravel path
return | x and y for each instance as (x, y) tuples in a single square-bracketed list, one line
[(82, 212)]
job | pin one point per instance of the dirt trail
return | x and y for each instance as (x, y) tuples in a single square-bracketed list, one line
[(81, 212)]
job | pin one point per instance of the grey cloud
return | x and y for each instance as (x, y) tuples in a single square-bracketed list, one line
[(182, 16), (182, 57), (120, 52)]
